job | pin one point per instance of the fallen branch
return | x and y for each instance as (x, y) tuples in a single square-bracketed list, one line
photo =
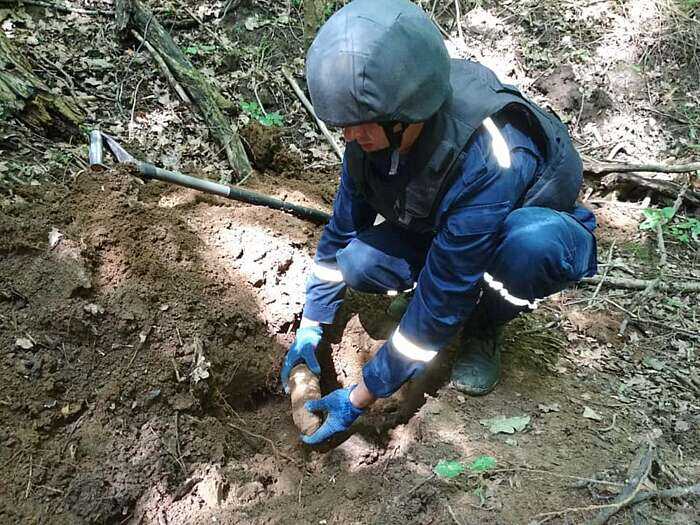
[(604, 276), (664, 187), (307, 104), (205, 95), (642, 284), (637, 475), (640, 471), (595, 167), (164, 68), (59, 7), (676, 492), (122, 13)]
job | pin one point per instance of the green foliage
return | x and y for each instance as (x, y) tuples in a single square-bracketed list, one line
[(683, 229), (451, 469), (200, 49), (328, 9), (482, 464), (448, 469), (689, 5), (255, 111)]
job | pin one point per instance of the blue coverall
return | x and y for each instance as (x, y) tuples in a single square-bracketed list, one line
[(486, 250)]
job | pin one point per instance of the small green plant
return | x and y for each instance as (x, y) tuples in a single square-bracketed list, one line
[(200, 49), (266, 119), (683, 229), (328, 9)]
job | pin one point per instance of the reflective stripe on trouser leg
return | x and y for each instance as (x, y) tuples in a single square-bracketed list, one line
[(409, 349), (500, 288), (394, 293), (327, 273)]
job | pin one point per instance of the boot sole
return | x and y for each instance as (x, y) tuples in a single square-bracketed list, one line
[(474, 393)]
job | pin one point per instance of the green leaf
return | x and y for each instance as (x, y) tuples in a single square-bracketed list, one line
[(250, 107), (482, 464), (668, 213), (448, 469), (653, 219), (271, 119), (506, 425)]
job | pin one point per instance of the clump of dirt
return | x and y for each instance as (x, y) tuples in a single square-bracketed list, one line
[(264, 143), (561, 89)]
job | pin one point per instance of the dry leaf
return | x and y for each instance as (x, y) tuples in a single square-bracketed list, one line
[(589, 413), (55, 237), (24, 343)]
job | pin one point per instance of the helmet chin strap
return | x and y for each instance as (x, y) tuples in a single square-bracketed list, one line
[(394, 138)]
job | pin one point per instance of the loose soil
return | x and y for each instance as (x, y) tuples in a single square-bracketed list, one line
[(107, 418)]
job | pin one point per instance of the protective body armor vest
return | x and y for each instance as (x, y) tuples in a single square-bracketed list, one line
[(411, 200)]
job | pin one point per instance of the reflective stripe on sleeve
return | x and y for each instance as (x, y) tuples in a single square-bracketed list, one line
[(325, 273), (501, 289), (409, 349), (498, 143)]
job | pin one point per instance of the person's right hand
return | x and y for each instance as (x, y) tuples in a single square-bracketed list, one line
[(303, 350)]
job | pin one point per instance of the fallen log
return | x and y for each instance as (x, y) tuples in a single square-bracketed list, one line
[(205, 96), (25, 96), (663, 187), (595, 167)]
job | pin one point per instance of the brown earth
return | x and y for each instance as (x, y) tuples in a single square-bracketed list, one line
[(108, 416)]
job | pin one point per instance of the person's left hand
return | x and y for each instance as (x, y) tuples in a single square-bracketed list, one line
[(340, 414)]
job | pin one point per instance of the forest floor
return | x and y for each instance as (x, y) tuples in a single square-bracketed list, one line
[(143, 326)]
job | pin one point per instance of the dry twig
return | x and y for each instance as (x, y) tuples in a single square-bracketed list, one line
[(637, 476), (605, 274), (276, 452), (642, 284), (307, 104), (164, 68), (452, 514)]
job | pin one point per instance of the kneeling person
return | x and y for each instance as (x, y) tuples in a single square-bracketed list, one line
[(477, 187)]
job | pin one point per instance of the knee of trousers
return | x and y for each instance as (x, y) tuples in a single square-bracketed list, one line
[(367, 269), (535, 255)]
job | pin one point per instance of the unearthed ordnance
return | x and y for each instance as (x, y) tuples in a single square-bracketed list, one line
[(95, 152), (304, 386)]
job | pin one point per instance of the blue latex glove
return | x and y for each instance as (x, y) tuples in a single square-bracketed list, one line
[(340, 414), (303, 350)]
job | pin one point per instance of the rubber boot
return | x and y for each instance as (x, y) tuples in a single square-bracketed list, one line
[(477, 369), (399, 305)]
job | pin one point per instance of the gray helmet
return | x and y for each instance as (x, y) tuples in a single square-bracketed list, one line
[(378, 61)]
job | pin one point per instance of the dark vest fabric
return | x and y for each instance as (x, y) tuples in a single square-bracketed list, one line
[(411, 200)]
